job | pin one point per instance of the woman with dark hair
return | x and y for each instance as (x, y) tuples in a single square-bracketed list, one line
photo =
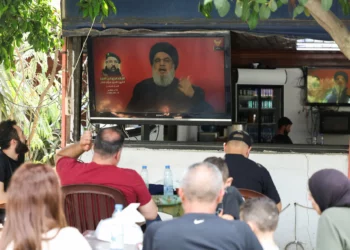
[(34, 213), (330, 197)]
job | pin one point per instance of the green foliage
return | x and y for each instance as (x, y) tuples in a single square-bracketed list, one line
[(251, 11), (37, 18), (95, 8), (20, 93)]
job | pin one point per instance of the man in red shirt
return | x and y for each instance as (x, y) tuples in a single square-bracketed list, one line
[(103, 169)]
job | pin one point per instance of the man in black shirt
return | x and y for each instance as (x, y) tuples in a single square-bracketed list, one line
[(164, 92), (245, 172), (13, 147), (284, 127), (201, 190)]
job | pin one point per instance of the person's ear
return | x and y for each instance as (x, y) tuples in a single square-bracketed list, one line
[(252, 226), (228, 182), (220, 196), (225, 145), (181, 194)]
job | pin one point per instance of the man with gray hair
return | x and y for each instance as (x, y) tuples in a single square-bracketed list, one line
[(261, 214), (200, 191)]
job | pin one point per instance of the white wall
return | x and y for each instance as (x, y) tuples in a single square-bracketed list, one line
[(290, 173)]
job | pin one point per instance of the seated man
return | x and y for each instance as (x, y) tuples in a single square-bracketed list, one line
[(247, 173), (261, 214), (232, 199), (284, 128), (103, 169), (201, 190)]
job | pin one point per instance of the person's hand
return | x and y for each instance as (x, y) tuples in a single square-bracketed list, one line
[(185, 86), (86, 141), (225, 216)]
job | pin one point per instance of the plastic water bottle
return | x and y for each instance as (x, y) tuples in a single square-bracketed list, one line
[(321, 139), (117, 234), (168, 181), (144, 175), (314, 139)]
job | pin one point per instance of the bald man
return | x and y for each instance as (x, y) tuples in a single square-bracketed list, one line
[(201, 190), (103, 169), (247, 173)]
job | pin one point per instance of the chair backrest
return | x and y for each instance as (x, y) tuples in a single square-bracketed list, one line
[(86, 204), (248, 194)]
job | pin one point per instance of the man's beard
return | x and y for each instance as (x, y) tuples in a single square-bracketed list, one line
[(165, 80), (285, 132), (21, 148), (113, 71)]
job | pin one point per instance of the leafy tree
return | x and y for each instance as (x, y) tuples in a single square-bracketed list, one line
[(251, 11), (36, 18)]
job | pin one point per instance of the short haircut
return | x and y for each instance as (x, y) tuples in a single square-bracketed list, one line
[(220, 164), (7, 133), (202, 182), (262, 212), (284, 121), (108, 141)]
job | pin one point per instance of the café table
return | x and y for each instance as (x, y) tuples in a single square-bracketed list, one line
[(97, 244), (169, 204)]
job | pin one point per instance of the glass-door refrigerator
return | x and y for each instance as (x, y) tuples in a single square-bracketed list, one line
[(260, 107)]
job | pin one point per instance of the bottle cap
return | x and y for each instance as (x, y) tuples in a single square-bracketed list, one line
[(118, 207), (144, 167), (167, 167)]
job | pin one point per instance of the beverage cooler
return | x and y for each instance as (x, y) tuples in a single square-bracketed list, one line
[(260, 107)]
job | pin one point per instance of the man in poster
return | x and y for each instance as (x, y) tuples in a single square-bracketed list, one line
[(339, 93), (164, 92), (112, 65)]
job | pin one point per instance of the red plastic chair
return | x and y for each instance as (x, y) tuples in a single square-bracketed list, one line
[(248, 194), (85, 205)]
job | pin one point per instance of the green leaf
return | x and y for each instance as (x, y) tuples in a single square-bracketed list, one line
[(298, 10), (264, 12), (104, 8), (279, 3), (222, 6), (112, 6), (253, 20), (246, 10), (261, 1), (284, 1), (97, 5), (85, 13), (306, 12), (326, 4), (256, 7), (302, 2), (273, 5), (239, 8)]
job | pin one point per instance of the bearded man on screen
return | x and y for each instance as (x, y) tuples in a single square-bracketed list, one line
[(164, 92)]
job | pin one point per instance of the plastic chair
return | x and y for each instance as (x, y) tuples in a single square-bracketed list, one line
[(248, 194), (85, 205)]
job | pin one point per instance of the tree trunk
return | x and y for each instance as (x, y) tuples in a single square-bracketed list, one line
[(332, 24)]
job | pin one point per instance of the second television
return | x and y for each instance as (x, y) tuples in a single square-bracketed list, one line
[(161, 78)]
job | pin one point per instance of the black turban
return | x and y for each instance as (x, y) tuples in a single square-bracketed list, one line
[(166, 48), (341, 73), (110, 54)]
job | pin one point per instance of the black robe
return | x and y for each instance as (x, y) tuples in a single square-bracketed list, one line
[(149, 97)]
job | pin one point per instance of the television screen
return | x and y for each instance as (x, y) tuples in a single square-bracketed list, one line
[(160, 78), (328, 86)]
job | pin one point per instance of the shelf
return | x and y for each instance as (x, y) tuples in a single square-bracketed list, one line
[(245, 109), (248, 97)]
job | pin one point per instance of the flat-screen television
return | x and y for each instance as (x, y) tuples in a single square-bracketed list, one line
[(328, 86), (161, 78)]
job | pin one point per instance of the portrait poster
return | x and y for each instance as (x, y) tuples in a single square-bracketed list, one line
[(328, 86), (201, 60)]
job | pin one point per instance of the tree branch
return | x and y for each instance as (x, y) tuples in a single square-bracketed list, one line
[(332, 24)]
